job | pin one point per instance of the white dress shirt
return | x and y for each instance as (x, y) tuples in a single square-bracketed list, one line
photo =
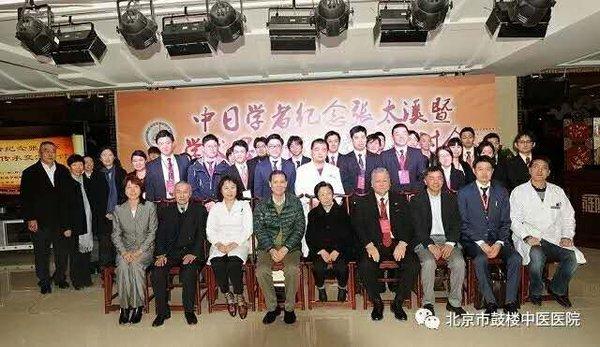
[(470, 150), (335, 157), (277, 164), (447, 172), (165, 169), (404, 150), (437, 225), (363, 154), (524, 157), (50, 170)]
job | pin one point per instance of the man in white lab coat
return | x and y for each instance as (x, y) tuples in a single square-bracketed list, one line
[(314, 172), (543, 224)]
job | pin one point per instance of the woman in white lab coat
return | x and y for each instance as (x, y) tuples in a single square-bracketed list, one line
[(543, 224), (228, 229)]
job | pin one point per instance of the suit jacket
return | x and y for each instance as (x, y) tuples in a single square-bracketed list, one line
[(120, 175), (40, 200), (262, 172), (416, 163), (366, 220), (73, 211), (329, 231), (98, 198), (475, 223), (349, 169), (457, 179), (420, 208), (255, 160), (304, 160), (132, 233), (233, 172), (155, 180), (468, 171), (513, 172), (175, 237), (203, 185)]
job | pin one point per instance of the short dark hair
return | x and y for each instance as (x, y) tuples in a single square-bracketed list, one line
[(259, 139), (482, 145), (484, 158), (489, 136), (332, 133), (399, 125), (454, 141), (373, 137), (274, 137), (543, 158), (209, 137), (117, 162), (315, 141), (321, 185), (239, 189), (228, 152), (358, 129), (431, 169), (138, 153), (442, 148), (275, 173), (523, 134), (74, 158), (132, 177), (164, 133), (239, 143), (154, 150), (466, 130), (294, 138), (416, 134), (379, 134)]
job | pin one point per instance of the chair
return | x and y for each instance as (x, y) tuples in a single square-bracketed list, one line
[(472, 290), (441, 263), (385, 266), (201, 289), (108, 275), (546, 277), (350, 298)]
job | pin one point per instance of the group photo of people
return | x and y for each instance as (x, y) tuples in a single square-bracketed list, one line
[(396, 208)]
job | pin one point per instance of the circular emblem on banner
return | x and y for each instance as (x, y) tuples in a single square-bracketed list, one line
[(153, 129)]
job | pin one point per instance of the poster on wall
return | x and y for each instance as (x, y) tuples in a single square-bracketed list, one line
[(17, 155), (438, 106)]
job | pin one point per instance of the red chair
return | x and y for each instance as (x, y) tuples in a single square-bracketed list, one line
[(108, 275), (350, 298), (300, 299), (201, 289), (386, 266), (546, 277)]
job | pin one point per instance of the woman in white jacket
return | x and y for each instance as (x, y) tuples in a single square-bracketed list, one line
[(228, 229), (543, 224)]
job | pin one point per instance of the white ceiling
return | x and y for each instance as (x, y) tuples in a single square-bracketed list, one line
[(460, 44)]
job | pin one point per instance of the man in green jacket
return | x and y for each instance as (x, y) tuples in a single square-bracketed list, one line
[(279, 226)]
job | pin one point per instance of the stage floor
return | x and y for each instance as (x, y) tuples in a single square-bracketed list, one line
[(76, 318)]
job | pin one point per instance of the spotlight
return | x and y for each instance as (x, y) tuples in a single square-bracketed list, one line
[(520, 18), (227, 21), (138, 30), (77, 44), (34, 28), (429, 14), (188, 34), (292, 29), (333, 16)]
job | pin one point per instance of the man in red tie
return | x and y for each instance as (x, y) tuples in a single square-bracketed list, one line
[(165, 171), (385, 233)]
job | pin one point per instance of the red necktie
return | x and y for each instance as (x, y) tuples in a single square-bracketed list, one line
[(386, 237)]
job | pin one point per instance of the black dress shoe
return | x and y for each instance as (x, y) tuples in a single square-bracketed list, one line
[(190, 318), (511, 308), (158, 321), (458, 311), (398, 310), (46, 288), (430, 308), (271, 315), (322, 295), (563, 300), (289, 317), (377, 313), (136, 315), (124, 316), (63, 285), (342, 293), (490, 309), (536, 300)]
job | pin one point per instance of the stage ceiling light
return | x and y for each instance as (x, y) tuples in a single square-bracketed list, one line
[(429, 14), (520, 18), (190, 33), (228, 23), (292, 28), (78, 43), (333, 16), (138, 30), (34, 28)]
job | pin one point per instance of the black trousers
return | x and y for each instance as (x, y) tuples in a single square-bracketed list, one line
[(339, 268), (42, 242), (406, 274), (228, 269), (81, 269), (65, 249), (188, 276), (106, 248)]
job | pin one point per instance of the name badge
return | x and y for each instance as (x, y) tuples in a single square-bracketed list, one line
[(404, 176), (385, 225)]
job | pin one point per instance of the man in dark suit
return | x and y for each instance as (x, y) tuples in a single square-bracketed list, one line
[(295, 146), (241, 170), (179, 242), (165, 171), (515, 171), (333, 142), (356, 166), (205, 174), (437, 231), (485, 233), (405, 164), (385, 232), (275, 162), (41, 204)]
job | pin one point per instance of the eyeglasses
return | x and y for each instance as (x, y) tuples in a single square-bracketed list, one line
[(525, 142)]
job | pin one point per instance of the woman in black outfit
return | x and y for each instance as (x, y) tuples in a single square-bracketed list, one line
[(329, 238)]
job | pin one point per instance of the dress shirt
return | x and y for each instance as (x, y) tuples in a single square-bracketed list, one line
[(50, 171)]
